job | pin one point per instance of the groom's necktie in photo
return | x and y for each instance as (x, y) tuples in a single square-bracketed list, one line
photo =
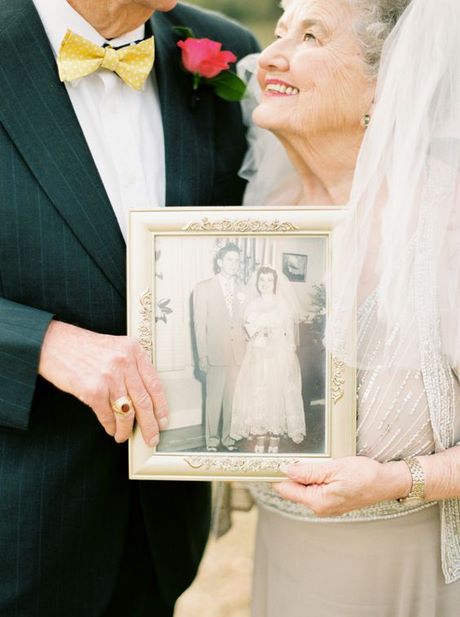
[(79, 57), (228, 289)]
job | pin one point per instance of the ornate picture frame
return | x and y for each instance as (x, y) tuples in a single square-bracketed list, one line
[(238, 346)]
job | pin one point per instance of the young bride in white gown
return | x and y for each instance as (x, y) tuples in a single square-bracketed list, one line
[(378, 534), (267, 402)]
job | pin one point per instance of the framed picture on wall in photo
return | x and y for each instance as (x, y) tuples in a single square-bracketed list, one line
[(295, 267), (234, 321)]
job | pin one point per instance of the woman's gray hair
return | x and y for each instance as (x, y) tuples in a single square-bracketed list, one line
[(376, 19)]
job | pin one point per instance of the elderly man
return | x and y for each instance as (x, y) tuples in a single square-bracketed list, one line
[(77, 538)]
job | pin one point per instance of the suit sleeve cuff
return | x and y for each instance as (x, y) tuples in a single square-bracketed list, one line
[(22, 330)]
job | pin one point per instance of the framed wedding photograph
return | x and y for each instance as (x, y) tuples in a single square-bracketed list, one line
[(223, 301)]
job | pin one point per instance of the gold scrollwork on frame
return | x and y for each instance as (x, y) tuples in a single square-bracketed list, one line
[(240, 226), (338, 379), (236, 464), (144, 332)]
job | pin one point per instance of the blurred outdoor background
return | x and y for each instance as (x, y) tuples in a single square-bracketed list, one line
[(259, 16), (223, 585)]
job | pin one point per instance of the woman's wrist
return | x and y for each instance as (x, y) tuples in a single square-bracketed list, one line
[(441, 473), (397, 480)]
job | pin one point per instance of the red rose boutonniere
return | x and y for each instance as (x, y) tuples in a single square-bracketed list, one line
[(209, 65)]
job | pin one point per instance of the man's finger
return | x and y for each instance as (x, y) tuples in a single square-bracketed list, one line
[(153, 385), (97, 397), (143, 405), (124, 426), (124, 421), (105, 416)]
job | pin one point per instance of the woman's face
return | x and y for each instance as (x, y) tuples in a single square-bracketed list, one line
[(313, 77), (266, 284)]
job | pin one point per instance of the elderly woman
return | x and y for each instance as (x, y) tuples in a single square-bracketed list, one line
[(377, 534)]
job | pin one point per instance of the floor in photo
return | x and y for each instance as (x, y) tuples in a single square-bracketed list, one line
[(223, 585), (192, 438)]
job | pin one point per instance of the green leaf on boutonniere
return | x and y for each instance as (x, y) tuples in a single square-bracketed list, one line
[(184, 32), (228, 86)]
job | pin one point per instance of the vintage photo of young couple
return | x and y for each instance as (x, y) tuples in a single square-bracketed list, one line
[(239, 346)]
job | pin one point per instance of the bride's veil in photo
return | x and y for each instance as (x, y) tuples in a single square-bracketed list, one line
[(285, 293)]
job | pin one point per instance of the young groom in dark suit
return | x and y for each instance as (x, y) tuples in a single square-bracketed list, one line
[(76, 537)]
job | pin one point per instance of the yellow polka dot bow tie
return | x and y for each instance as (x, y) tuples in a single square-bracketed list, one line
[(79, 57)]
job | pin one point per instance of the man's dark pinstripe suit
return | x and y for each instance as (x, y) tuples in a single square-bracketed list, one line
[(66, 505)]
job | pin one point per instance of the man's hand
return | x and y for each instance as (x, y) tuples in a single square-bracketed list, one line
[(98, 369), (203, 364)]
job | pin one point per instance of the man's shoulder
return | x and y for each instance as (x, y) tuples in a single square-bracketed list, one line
[(204, 285), (213, 25), (10, 14)]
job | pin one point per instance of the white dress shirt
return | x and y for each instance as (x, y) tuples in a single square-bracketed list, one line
[(122, 126), (228, 289)]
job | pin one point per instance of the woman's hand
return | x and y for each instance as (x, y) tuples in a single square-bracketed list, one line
[(339, 486)]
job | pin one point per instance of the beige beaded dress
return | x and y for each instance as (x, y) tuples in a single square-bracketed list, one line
[(382, 561)]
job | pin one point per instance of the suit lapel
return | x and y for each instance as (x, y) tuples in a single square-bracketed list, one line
[(37, 114), (218, 294), (188, 130)]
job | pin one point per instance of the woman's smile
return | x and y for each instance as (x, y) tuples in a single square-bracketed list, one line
[(278, 87)]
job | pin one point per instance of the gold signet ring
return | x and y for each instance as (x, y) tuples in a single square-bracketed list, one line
[(122, 406)]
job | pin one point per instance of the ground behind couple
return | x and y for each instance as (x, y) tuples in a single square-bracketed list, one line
[(223, 585)]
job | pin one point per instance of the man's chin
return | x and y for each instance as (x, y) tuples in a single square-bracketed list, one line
[(158, 5), (163, 6)]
